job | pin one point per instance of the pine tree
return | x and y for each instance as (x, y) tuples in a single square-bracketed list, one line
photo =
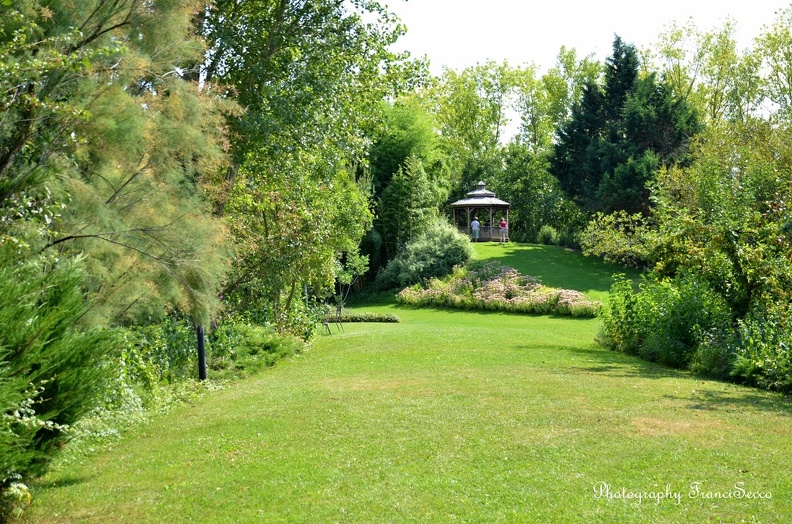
[(574, 161)]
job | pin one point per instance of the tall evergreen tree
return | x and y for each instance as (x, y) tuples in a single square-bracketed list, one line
[(407, 206), (619, 135), (574, 158), (621, 73)]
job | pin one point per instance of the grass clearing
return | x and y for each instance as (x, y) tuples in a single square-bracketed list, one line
[(557, 266), (448, 416)]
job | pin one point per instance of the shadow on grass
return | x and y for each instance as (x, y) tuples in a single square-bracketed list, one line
[(616, 364), (372, 298), (708, 400), (63, 482)]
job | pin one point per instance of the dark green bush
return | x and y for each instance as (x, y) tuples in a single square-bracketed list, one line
[(623, 326), (169, 346), (548, 235), (240, 349), (432, 255), (362, 317), (763, 349), (683, 323), (50, 368), (715, 355), (680, 312)]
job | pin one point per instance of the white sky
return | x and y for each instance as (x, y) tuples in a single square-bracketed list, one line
[(462, 33)]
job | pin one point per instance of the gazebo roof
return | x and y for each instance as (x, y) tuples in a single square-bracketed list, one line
[(480, 197)]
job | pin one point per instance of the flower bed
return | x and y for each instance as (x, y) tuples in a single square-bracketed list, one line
[(496, 287)]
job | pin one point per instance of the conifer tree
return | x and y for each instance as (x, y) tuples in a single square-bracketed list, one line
[(619, 135), (51, 367), (407, 206)]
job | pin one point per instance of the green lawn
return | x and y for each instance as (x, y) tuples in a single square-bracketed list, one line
[(448, 416), (556, 266)]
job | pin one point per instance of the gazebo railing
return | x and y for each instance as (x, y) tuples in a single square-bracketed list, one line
[(486, 233)]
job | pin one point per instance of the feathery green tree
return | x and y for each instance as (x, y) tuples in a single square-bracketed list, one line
[(99, 120), (106, 157)]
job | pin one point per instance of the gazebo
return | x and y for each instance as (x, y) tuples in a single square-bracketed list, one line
[(482, 204)]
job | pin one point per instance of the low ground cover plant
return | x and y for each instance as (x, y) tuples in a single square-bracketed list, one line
[(362, 316), (154, 370), (491, 285)]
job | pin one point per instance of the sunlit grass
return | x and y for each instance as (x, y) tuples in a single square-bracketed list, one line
[(556, 266), (447, 416)]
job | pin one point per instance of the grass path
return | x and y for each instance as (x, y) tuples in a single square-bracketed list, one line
[(449, 416)]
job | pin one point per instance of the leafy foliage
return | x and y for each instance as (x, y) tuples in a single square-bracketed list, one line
[(762, 348), (240, 349), (718, 241), (545, 102), (536, 198), (291, 232), (470, 107), (708, 70), (548, 236), (409, 131), (312, 77), (618, 238), (664, 321), (105, 157), (311, 74)]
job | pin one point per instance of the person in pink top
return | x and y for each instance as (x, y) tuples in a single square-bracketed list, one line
[(504, 228)]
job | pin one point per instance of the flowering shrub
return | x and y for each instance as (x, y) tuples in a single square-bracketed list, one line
[(493, 286), (431, 255)]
